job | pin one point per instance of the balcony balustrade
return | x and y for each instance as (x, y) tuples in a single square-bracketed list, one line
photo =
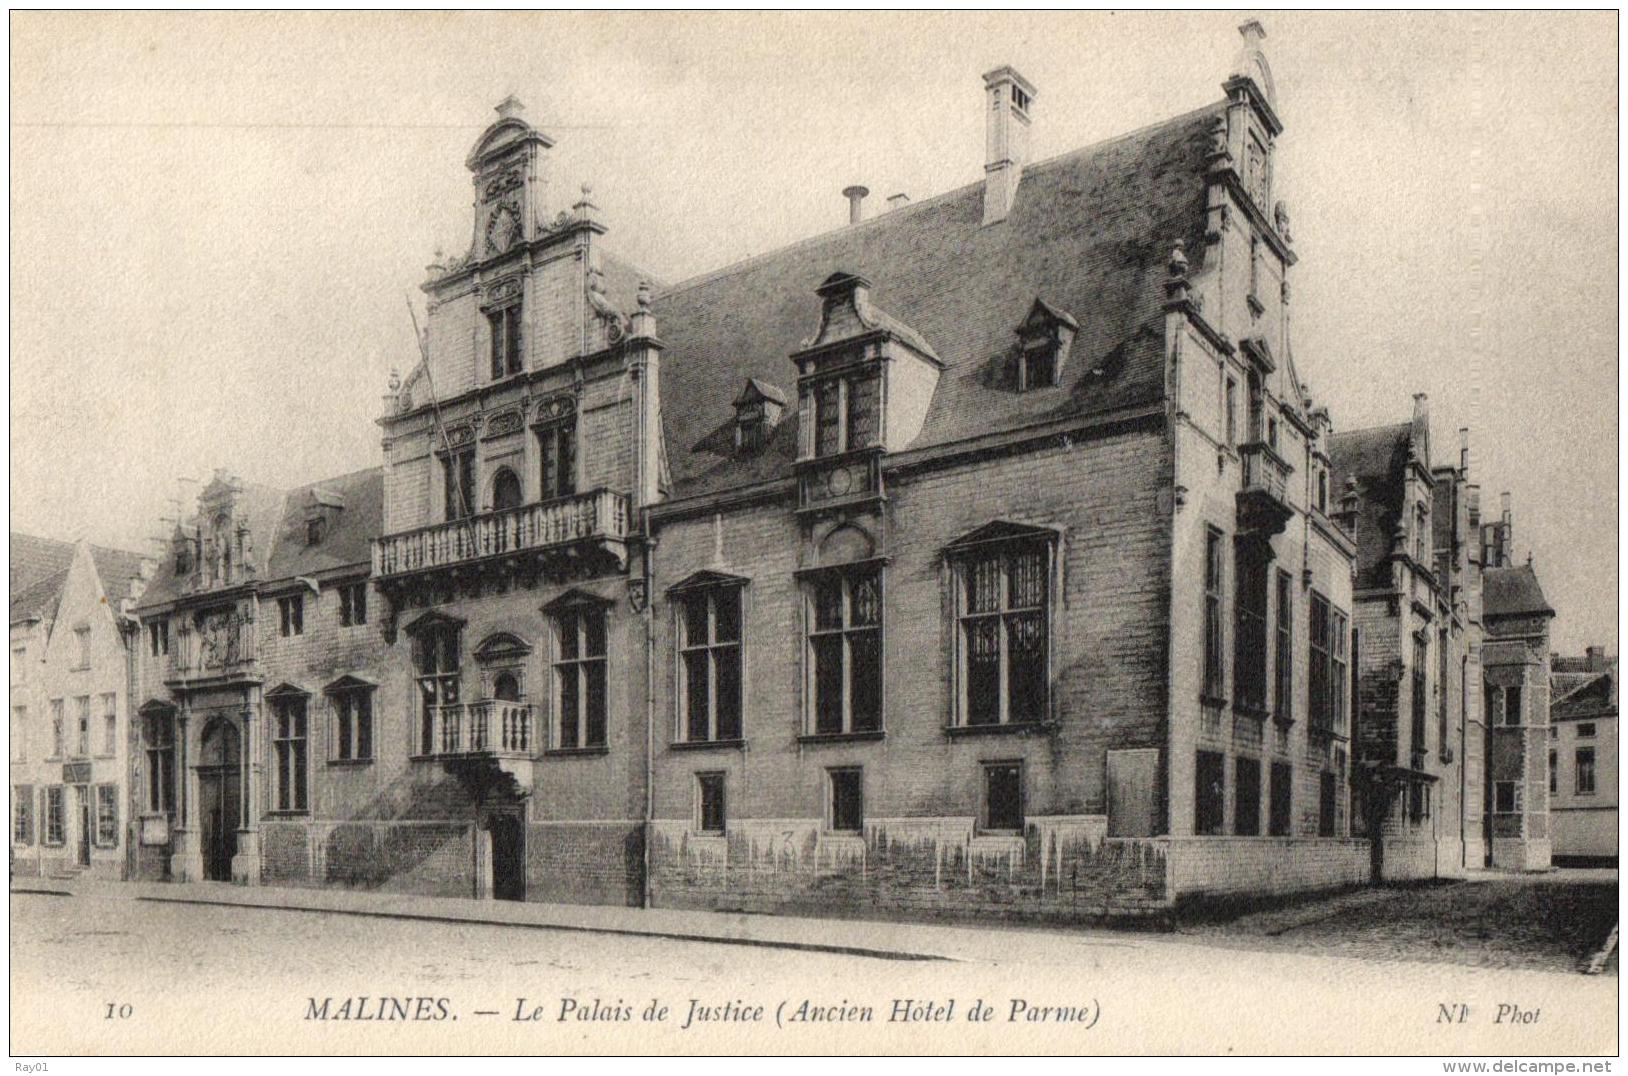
[(491, 727), (600, 515), (1263, 502)]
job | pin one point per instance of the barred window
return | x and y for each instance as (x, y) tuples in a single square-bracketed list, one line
[(557, 457), (845, 413), (1003, 797), (1004, 634), (579, 677), (710, 816), (709, 666), (847, 800), (845, 650)]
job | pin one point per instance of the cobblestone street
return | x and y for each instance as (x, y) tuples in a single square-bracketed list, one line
[(1553, 922)]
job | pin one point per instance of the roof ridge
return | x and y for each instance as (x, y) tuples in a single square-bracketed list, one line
[(893, 214), (1388, 427)]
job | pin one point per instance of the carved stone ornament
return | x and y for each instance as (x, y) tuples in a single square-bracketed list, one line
[(459, 435), (503, 290), (502, 229), (507, 180), (504, 422), (556, 408), (637, 593)]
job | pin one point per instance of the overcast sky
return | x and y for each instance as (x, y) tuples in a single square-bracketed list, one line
[(214, 219)]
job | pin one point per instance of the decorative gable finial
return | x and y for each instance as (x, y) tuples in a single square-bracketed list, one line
[(510, 107)]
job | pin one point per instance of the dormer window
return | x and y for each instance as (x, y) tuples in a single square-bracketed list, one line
[(313, 531), (757, 411), (1044, 340), (1019, 98)]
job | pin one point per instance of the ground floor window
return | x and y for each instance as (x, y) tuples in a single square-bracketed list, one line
[(1209, 793), (847, 809), (1003, 796), (709, 802), (107, 815), (1506, 797), (1418, 801), (22, 820), (1246, 787), (353, 725), (55, 823), (1585, 771), (1327, 805), (1281, 795), (290, 748)]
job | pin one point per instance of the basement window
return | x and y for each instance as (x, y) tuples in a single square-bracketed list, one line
[(1003, 797), (709, 803)]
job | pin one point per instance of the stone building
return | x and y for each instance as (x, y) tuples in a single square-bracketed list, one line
[(1583, 758), (1418, 622), (1031, 602), (977, 557), (1515, 697), (256, 670), (70, 706)]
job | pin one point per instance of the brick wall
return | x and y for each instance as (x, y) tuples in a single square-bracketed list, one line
[(427, 858), (1063, 868), (585, 862)]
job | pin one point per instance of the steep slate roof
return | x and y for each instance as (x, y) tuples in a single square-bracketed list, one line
[(39, 595), (277, 522), (33, 558), (1091, 231), (39, 599), (348, 539), (1377, 458), (1513, 592), (1596, 698)]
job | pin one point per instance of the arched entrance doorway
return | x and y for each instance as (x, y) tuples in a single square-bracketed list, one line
[(219, 797), (506, 840)]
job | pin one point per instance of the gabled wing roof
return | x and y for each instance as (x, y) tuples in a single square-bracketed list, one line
[(33, 558), (1091, 231), (1377, 458), (1513, 592)]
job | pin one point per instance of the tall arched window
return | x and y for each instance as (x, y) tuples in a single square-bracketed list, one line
[(505, 490)]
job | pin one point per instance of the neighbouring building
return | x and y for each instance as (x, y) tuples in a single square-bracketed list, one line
[(70, 706), (258, 666), (1418, 622), (1515, 695), (1583, 758)]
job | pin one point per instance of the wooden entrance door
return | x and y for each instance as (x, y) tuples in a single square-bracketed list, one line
[(87, 822), (220, 793), (508, 857)]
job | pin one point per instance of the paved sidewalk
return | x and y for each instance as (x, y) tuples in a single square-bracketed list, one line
[(883, 940)]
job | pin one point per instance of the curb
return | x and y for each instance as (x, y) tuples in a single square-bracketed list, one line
[(631, 932)]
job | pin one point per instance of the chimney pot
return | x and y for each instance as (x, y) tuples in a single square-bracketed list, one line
[(856, 195), (1596, 659), (898, 201)]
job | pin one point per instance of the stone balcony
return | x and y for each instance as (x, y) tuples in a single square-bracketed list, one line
[(1264, 508), (586, 531), (490, 730)]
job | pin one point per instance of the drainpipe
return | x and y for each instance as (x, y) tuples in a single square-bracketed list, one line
[(1463, 757), (649, 707)]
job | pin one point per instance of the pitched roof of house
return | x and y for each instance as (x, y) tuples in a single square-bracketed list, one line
[(346, 541), (1513, 592), (1596, 697), (1091, 231), (33, 558), (40, 594), (1377, 458), (277, 523)]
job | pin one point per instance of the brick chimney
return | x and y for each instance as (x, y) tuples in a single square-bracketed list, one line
[(1595, 660), (1008, 99)]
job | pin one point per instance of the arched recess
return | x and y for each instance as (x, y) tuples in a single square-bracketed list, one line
[(506, 490)]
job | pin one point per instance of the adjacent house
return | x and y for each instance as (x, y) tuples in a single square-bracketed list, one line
[(70, 706), (1583, 758)]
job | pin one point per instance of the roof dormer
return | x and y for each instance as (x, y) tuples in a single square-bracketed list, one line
[(1044, 340), (322, 508)]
